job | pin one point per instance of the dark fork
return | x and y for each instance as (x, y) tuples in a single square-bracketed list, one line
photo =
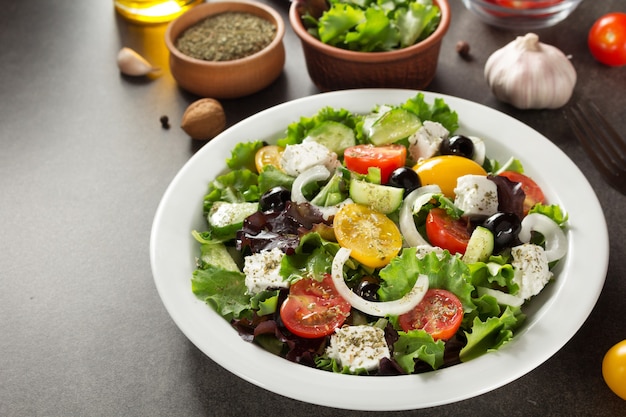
[(602, 143)]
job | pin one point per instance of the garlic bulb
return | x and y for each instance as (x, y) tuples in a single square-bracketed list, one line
[(530, 74), (131, 63)]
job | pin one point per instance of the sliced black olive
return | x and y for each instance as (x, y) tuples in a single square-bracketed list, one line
[(406, 178), (274, 199), (457, 145), (505, 228)]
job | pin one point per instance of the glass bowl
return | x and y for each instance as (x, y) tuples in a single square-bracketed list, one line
[(522, 14)]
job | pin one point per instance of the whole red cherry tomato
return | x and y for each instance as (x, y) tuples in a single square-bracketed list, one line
[(607, 39)]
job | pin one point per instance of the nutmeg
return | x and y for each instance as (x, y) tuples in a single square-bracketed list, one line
[(204, 119)]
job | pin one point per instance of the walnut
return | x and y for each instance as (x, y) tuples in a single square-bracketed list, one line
[(204, 119)]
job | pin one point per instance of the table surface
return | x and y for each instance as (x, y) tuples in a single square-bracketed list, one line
[(84, 163)]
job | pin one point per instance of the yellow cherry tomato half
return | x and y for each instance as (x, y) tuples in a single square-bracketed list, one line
[(373, 238), (614, 369), (444, 170), (268, 155)]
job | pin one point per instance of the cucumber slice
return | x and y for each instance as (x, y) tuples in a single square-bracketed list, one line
[(480, 246), (227, 218), (381, 198), (392, 126), (334, 135), (216, 254)]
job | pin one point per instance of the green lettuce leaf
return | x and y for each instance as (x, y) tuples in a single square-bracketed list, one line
[(223, 290), (493, 275), (491, 334), (374, 33), (242, 155), (417, 344), (325, 363), (297, 131), (552, 211), (273, 177), (438, 111), (448, 273), (312, 259), (234, 187), (415, 21)]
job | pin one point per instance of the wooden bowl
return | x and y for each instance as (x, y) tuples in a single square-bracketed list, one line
[(332, 68), (226, 79)]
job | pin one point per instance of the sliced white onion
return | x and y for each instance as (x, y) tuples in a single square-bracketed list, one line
[(411, 204), (501, 297), (555, 239), (373, 308), (479, 150), (316, 173)]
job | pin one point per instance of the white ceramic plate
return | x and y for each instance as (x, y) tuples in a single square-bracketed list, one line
[(551, 319)]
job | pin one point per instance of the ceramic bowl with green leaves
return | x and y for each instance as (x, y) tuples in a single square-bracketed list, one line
[(370, 44)]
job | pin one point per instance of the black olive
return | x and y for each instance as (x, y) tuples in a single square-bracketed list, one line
[(368, 289), (457, 145), (406, 178), (274, 199), (505, 228)]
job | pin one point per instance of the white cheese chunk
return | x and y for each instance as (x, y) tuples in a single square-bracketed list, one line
[(298, 158), (476, 195), (426, 141), (262, 271), (358, 347), (532, 272)]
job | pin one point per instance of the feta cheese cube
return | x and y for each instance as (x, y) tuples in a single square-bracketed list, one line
[(426, 141), (532, 272), (298, 158), (263, 271), (476, 195), (358, 347)]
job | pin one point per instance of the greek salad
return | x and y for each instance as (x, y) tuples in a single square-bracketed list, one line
[(376, 244)]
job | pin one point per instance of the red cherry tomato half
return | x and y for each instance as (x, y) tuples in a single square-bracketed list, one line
[(533, 192), (388, 158), (314, 308), (439, 313), (607, 39), (446, 232)]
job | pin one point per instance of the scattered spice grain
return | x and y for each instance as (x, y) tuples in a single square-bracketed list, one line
[(165, 122), (226, 36)]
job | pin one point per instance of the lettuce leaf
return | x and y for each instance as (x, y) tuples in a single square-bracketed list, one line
[(297, 131), (448, 273), (493, 275), (373, 26), (438, 111), (552, 211), (312, 259), (234, 187), (491, 334), (417, 344), (223, 290), (416, 22), (242, 155), (325, 363), (273, 177)]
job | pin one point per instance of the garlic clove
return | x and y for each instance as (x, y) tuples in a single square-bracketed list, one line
[(133, 64)]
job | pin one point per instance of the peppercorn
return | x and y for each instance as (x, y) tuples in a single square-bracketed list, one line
[(463, 49)]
